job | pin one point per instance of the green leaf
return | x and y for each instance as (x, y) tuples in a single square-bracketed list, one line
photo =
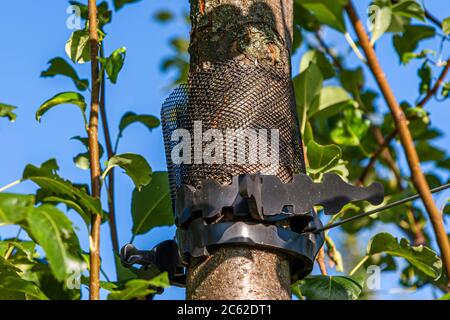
[(123, 274), (330, 287), (425, 74), (304, 18), (180, 45), (409, 9), (446, 25), (114, 63), (59, 66), (445, 297), (78, 48), (6, 111), (163, 16), (321, 158), (135, 166), (423, 258), (445, 90), (129, 118), (307, 87), (428, 152), (350, 130), (152, 207), (53, 231), (119, 4), (63, 98), (103, 13), (58, 188), (23, 250), (13, 287), (381, 21), (138, 288), (14, 208), (82, 160), (332, 101), (42, 275), (409, 40), (329, 12), (408, 56), (319, 59)]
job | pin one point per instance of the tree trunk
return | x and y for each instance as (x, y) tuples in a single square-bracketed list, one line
[(254, 32)]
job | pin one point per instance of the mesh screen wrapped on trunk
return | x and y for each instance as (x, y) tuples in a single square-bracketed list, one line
[(232, 97)]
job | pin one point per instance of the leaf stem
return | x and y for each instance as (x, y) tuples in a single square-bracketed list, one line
[(417, 176), (94, 154), (12, 184), (359, 265)]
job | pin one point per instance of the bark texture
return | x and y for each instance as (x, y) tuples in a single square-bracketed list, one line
[(253, 32)]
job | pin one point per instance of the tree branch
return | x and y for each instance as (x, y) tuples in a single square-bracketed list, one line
[(417, 176), (94, 278), (393, 134), (110, 153), (436, 86)]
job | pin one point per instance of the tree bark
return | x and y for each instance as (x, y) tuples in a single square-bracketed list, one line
[(252, 31), (94, 240)]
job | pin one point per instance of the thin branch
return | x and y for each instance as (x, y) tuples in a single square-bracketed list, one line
[(337, 63), (417, 176), (433, 19), (393, 134), (437, 85), (110, 153), (94, 275), (387, 141)]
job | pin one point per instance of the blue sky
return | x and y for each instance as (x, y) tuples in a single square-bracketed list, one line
[(33, 32)]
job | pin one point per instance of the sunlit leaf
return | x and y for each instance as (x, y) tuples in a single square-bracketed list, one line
[(332, 101), (114, 63), (7, 111), (53, 231), (61, 99), (422, 257), (135, 166), (350, 130), (138, 288), (381, 21), (54, 186), (78, 47), (14, 208), (446, 25), (321, 157), (329, 12)]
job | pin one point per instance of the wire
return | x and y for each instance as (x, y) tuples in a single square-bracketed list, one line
[(388, 206)]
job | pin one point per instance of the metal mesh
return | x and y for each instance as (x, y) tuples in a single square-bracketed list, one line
[(230, 96)]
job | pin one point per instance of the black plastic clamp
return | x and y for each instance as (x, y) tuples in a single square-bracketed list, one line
[(259, 204), (267, 198)]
